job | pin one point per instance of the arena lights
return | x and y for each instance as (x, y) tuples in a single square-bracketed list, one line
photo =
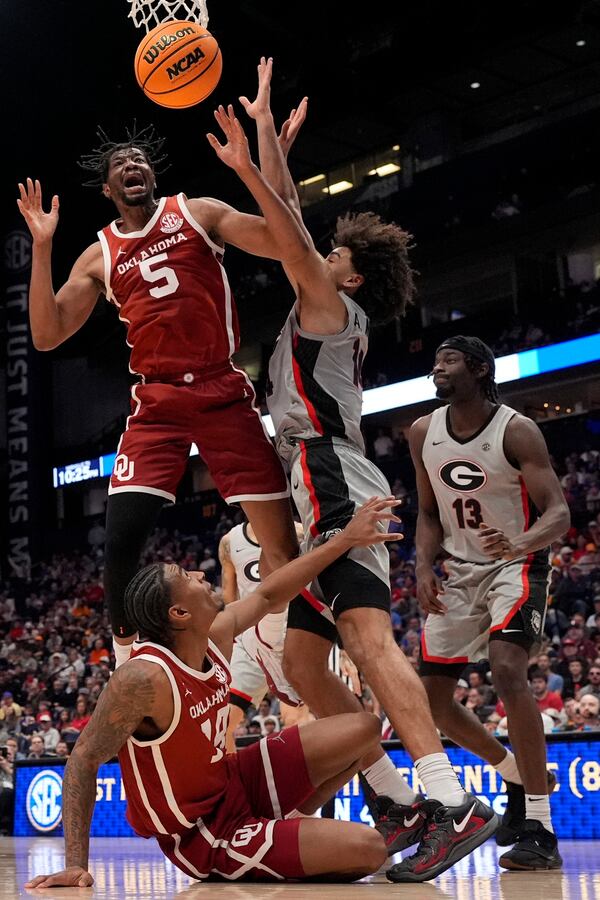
[(475, 85), (338, 187), (312, 180), (393, 396), (580, 43), (385, 169)]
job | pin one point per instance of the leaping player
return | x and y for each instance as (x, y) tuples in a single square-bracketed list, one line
[(489, 497), (160, 263)]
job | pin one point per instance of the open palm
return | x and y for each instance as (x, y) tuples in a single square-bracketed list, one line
[(235, 152), (42, 225)]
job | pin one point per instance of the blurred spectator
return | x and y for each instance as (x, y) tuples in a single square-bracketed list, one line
[(555, 681), (49, 734), (264, 713), (592, 688), (7, 788), (383, 446), (62, 750), (82, 714), (478, 703), (10, 712), (99, 654), (37, 749), (589, 707)]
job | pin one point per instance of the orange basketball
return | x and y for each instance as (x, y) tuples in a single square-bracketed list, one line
[(178, 64)]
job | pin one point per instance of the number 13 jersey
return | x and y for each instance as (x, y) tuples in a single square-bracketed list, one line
[(474, 482), (171, 291)]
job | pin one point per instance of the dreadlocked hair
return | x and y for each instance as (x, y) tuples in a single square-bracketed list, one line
[(146, 140), (147, 602), (486, 382), (380, 253)]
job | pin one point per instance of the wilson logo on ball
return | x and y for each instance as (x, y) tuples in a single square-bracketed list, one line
[(462, 475), (164, 41)]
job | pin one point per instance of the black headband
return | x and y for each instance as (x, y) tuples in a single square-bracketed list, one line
[(473, 346)]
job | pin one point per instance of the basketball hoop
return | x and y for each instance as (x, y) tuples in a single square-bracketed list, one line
[(151, 13)]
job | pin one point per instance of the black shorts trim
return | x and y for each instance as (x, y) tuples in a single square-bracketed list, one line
[(446, 670), (526, 627), (304, 617), (329, 485), (346, 584), (241, 702)]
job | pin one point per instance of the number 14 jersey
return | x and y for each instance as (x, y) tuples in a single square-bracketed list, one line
[(474, 482), (171, 291)]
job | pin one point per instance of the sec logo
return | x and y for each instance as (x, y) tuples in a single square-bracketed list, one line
[(170, 223), (462, 475), (220, 674), (44, 801)]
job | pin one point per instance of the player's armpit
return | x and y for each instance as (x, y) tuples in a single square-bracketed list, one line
[(229, 226), (132, 694)]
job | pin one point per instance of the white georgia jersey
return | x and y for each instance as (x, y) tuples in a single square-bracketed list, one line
[(474, 482), (244, 554)]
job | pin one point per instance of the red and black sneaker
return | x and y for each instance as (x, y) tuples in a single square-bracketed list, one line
[(451, 833), (400, 825)]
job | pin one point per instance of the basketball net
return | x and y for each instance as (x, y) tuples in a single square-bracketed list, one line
[(151, 13)]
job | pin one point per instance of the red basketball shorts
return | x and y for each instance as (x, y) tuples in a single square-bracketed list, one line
[(217, 414), (247, 837)]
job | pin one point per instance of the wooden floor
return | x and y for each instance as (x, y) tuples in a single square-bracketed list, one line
[(131, 867)]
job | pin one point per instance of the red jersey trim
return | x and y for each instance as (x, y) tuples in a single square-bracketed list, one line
[(147, 227), (181, 200), (176, 703)]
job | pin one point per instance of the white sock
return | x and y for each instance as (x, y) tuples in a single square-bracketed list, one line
[(507, 768), (440, 779), (385, 779), (122, 653), (537, 806)]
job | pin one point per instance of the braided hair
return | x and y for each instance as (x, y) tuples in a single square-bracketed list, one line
[(147, 602), (487, 383), (146, 139)]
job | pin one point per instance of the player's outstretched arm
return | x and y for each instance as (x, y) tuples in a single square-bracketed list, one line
[(54, 318), (365, 528), (228, 576), (429, 528), (526, 449), (130, 696)]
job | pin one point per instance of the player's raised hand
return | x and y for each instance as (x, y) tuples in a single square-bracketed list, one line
[(429, 590), (42, 225), (235, 153), (74, 876), (367, 526), (292, 125), (262, 104)]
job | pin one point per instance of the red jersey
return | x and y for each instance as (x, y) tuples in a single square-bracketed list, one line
[(175, 780), (171, 291)]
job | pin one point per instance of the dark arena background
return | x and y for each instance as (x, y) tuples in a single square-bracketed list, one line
[(476, 126)]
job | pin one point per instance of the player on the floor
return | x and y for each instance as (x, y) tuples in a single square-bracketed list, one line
[(160, 263), (315, 399), (253, 673), (489, 497), (165, 710)]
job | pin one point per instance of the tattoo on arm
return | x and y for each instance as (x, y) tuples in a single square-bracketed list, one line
[(127, 699)]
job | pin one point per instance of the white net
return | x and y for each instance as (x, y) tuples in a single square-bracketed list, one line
[(150, 13)]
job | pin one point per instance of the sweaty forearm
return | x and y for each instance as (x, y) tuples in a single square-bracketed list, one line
[(287, 234), (428, 539), (79, 797), (44, 314), (272, 162)]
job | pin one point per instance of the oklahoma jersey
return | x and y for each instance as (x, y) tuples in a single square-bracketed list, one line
[(474, 482), (171, 291), (173, 781)]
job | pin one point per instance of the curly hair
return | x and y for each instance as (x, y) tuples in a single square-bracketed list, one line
[(98, 161), (380, 253)]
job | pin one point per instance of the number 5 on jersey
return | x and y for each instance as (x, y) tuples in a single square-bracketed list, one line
[(163, 273)]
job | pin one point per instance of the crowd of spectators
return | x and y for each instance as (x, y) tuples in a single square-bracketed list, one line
[(55, 644)]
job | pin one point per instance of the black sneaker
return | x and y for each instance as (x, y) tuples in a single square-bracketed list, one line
[(400, 825), (536, 848), (513, 819), (451, 833)]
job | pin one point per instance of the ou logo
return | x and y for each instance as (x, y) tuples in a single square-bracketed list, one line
[(124, 468), (244, 835), (44, 800), (251, 571), (462, 475)]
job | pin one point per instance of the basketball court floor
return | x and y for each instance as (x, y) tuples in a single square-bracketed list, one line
[(131, 867)]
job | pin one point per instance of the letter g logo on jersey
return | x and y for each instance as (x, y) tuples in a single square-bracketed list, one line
[(124, 468), (462, 475)]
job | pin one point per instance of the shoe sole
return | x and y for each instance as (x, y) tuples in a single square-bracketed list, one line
[(456, 854), (516, 867)]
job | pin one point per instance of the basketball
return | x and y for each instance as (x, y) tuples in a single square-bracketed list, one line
[(178, 64)]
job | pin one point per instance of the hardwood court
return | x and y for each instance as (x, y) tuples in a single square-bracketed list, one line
[(132, 867)]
